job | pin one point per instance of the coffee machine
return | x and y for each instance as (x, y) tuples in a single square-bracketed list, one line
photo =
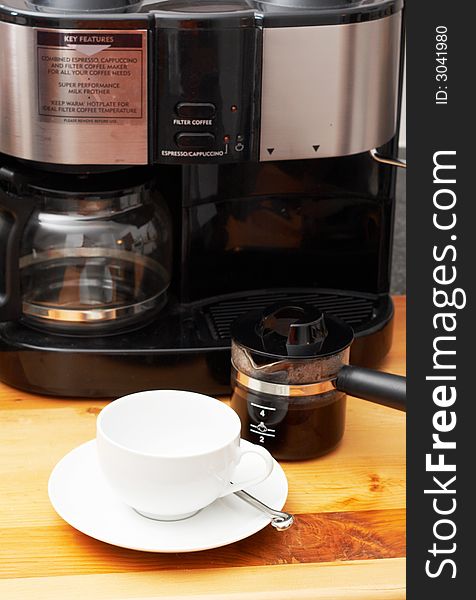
[(166, 166)]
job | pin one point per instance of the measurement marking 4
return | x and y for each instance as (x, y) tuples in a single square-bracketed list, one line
[(264, 407), (260, 433)]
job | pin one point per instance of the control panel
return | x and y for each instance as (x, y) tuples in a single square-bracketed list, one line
[(208, 83)]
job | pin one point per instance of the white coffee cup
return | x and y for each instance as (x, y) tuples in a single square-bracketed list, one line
[(169, 453)]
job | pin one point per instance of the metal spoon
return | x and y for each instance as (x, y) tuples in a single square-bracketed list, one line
[(279, 520)]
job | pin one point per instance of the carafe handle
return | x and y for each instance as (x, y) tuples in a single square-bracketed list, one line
[(14, 214), (375, 386)]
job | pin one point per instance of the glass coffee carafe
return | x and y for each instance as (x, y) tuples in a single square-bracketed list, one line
[(291, 375), (95, 252)]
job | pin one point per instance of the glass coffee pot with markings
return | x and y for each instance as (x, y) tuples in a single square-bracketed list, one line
[(83, 253), (290, 378)]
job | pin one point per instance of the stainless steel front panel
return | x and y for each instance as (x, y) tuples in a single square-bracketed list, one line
[(329, 90), (67, 98)]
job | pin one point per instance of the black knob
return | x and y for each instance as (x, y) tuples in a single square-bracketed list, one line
[(301, 329), (307, 336)]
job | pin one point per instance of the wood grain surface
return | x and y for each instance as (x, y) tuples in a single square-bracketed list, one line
[(348, 540)]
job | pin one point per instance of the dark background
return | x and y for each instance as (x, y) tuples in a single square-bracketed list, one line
[(431, 128), (399, 267)]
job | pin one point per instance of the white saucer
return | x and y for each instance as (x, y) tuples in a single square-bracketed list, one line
[(81, 496)]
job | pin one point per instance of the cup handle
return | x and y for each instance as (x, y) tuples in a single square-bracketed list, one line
[(268, 463)]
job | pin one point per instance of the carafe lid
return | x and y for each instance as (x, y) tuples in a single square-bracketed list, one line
[(289, 331), (21, 179)]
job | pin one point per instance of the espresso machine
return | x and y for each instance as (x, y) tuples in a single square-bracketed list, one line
[(166, 166)]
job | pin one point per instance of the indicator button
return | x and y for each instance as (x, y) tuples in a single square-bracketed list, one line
[(195, 141), (195, 110)]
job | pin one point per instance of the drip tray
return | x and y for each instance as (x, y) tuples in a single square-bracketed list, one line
[(356, 310), (185, 347)]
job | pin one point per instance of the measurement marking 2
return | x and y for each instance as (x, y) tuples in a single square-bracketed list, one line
[(256, 426), (259, 406), (260, 433)]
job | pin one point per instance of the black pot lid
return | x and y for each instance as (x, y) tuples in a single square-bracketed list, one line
[(22, 179), (291, 330)]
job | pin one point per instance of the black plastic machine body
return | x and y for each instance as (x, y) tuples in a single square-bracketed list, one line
[(258, 124)]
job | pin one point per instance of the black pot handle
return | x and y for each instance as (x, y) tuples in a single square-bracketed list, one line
[(14, 214), (375, 386)]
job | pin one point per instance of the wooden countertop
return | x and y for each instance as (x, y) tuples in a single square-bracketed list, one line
[(348, 540)]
